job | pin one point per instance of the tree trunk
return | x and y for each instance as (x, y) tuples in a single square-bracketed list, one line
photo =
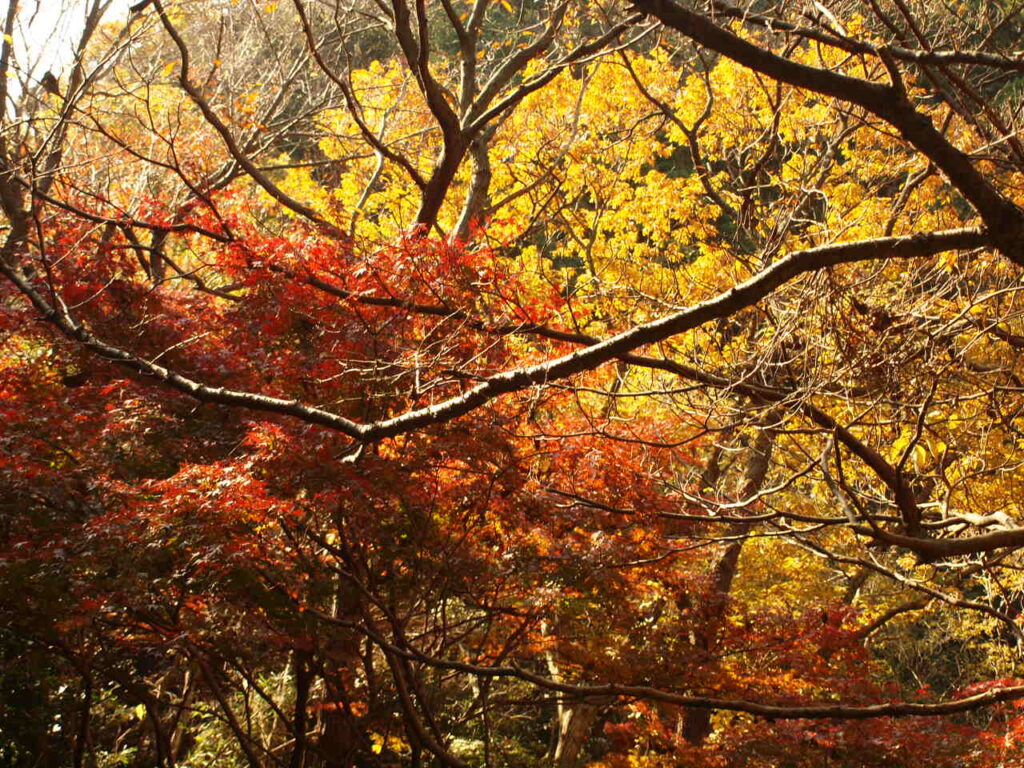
[(575, 720), (440, 181), (479, 186), (340, 739), (84, 716), (697, 722), (302, 680)]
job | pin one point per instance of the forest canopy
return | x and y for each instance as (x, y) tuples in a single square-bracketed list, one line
[(532, 382)]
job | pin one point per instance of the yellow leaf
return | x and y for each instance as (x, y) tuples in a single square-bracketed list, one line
[(169, 68), (947, 262), (507, 6)]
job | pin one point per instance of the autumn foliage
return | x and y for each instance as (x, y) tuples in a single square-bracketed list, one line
[(512, 384)]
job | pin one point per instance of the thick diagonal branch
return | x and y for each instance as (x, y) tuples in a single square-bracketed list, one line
[(887, 102), (730, 302)]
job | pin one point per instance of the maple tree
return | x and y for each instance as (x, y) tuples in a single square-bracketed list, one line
[(475, 383)]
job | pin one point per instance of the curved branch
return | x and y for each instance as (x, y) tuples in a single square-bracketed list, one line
[(649, 693), (886, 102), (937, 549), (728, 303)]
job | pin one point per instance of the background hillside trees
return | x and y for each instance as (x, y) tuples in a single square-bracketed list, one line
[(497, 383)]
